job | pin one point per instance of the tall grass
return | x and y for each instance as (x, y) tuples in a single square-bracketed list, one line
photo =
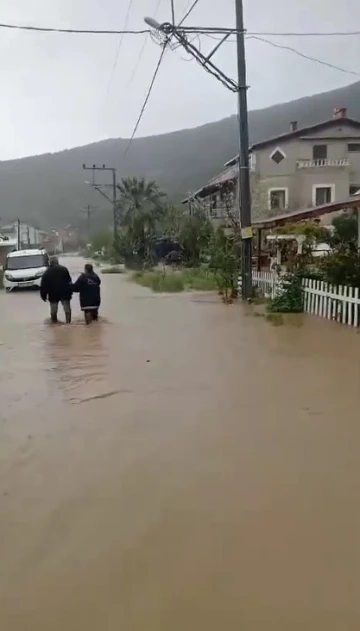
[(199, 279), (159, 281), (115, 269)]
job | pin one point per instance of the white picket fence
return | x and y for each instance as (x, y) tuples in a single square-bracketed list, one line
[(267, 282), (332, 302)]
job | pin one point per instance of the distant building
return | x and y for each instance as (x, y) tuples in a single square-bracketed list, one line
[(29, 236)]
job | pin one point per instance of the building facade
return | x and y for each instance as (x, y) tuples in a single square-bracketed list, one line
[(303, 168)]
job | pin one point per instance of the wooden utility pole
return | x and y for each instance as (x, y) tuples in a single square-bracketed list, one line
[(244, 194), (113, 201), (89, 212)]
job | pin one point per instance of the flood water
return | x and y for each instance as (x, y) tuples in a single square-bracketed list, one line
[(178, 466)]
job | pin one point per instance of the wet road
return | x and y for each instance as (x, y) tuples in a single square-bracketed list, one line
[(179, 466)]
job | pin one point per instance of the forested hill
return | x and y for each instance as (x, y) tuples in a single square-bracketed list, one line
[(50, 189)]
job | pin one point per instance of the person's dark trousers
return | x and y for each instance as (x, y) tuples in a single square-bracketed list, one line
[(91, 315), (54, 306)]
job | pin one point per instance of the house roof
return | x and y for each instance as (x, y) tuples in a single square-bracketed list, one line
[(306, 213), (298, 133), (214, 184)]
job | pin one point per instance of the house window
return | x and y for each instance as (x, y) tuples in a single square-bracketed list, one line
[(278, 155), (354, 189), (354, 147), (323, 194), (320, 152), (278, 198)]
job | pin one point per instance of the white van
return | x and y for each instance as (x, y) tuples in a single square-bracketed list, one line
[(25, 268)]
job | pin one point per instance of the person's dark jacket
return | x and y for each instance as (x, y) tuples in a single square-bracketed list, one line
[(56, 284), (88, 288)]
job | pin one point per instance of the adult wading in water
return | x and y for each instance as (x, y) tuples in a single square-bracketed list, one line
[(56, 287), (88, 288)]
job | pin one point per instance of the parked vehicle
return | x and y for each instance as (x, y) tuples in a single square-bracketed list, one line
[(24, 268)]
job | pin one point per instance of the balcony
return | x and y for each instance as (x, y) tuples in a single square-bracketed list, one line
[(321, 164)]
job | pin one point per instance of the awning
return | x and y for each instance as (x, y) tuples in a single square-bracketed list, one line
[(306, 213)]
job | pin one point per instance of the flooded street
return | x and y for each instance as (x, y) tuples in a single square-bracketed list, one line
[(178, 466)]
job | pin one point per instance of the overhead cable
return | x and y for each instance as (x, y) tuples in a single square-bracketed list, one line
[(304, 56)]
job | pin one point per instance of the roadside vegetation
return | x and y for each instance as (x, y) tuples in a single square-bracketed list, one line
[(113, 269), (189, 279), (341, 266), (167, 249), (1, 278), (170, 250)]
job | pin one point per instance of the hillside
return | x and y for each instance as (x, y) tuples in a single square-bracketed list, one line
[(49, 189)]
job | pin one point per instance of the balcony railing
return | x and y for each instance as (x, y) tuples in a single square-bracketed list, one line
[(315, 164)]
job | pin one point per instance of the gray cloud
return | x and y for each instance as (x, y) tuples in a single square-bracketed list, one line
[(56, 92)]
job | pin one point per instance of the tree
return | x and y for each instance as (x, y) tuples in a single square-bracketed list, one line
[(194, 237), (345, 231), (225, 257), (102, 242), (141, 207)]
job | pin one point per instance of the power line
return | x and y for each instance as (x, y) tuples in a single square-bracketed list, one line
[(188, 12), (309, 34), (163, 50), (208, 30), (45, 29), (304, 56), (119, 45), (146, 99), (142, 50), (291, 50), (172, 6), (196, 29)]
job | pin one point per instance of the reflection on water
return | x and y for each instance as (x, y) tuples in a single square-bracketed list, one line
[(77, 358), (207, 477)]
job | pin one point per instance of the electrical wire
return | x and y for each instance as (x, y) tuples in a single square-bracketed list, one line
[(204, 30), (309, 34), (304, 56), (292, 50), (146, 39), (46, 29), (163, 50), (206, 63), (119, 46), (188, 13), (172, 6), (196, 29)]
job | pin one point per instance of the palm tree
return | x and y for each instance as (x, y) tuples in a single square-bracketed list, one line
[(141, 206)]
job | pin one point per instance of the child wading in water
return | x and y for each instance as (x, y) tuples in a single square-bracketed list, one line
[(88, 288)]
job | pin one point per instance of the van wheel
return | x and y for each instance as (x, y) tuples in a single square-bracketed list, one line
[(8, 290)]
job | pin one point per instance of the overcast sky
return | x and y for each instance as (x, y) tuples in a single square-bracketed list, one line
[(60, 91)]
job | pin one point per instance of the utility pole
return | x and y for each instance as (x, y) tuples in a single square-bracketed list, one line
[(88, 211), (112, 200), (181, 33), (244, 194), (18, 234)]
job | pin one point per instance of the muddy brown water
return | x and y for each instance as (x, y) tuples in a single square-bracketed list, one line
[(179, 466)]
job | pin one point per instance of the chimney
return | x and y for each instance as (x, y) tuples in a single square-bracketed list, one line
[(340, 112), (293, 125)]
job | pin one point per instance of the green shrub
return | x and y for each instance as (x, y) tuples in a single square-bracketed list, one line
[(290, 298), (159, 281), (1, 279), (199, 279)]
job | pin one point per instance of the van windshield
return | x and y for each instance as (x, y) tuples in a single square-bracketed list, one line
[(26, 262)]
